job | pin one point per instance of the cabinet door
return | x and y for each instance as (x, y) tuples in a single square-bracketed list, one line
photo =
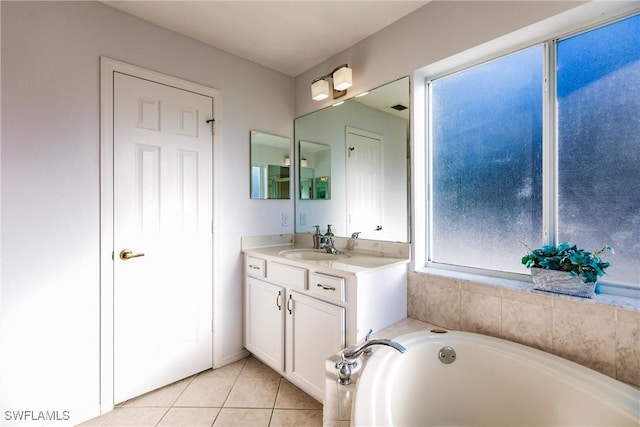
[(315, 331), (264, 322)]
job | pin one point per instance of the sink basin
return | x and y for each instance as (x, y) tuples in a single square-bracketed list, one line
[(311, 255)]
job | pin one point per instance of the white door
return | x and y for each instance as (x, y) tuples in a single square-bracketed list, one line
[(162, 217), (264, 328), (315, 331), (364, 183)]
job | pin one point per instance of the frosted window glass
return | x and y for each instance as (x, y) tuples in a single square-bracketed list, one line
[(486, 167), (598, 76)]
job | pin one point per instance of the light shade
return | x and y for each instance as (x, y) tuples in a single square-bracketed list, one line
[(342, 78), (320, 90)]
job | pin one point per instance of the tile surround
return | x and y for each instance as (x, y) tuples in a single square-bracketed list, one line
[(604, 337)]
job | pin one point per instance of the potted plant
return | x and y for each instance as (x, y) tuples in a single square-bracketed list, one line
[(566, 269)]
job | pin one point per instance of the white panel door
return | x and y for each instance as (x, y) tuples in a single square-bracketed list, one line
[(315, 331), (162, 216), (364, 183)]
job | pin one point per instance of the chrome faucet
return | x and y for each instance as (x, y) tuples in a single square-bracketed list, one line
[(326, 243), (352, 353), (347, 362)]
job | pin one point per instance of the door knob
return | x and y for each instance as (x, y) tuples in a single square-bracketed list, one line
[(126, 254)]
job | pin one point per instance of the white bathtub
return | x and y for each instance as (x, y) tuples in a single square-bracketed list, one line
[(491, 382)]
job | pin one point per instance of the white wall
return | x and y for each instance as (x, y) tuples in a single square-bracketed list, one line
[(49, 326), (434, 32)]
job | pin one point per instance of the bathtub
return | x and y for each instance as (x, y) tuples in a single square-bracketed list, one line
[(487, 382)]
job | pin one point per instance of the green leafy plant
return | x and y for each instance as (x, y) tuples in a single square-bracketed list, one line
[(588, 266)]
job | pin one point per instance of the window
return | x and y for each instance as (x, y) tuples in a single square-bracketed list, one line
[(598, 103), (488, 162)]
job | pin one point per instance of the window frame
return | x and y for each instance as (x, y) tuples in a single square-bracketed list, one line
[(550, 145)]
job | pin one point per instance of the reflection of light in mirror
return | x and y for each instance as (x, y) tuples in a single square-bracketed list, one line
[(287, 161), (338, 103), (362, 94), (304, 162)]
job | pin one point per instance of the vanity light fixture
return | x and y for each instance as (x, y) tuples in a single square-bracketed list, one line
[(287, 162), (341, 78), (304, 163)]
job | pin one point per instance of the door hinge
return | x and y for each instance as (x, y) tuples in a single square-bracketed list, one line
[(212, 326)]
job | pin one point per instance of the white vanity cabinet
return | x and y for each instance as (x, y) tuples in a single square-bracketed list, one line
[(314, 330), (299, 313)]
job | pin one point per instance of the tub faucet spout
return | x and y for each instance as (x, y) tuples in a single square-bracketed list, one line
[(353, 352), (347, 362)]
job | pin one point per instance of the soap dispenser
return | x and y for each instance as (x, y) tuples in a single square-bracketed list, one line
[(329, 233), (316, 237)]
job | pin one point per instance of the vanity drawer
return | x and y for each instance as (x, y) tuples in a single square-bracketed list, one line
[(255, 267), (289, 276), (328, 287)]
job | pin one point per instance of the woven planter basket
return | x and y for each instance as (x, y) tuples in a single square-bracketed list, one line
[(561, 282)]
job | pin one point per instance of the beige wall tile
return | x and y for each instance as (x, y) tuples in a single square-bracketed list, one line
[(527, 323), (443, 302), (628, 347), (417, 296), (480, 313), (586, 335)]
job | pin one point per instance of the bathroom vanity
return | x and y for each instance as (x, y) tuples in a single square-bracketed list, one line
[(301, 305)]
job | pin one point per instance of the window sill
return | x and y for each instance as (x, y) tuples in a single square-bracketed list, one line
[(629, 302)]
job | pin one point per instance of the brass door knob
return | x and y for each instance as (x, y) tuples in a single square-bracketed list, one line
[(126, 254)]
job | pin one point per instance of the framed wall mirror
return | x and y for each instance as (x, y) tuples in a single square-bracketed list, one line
[(367, 141), (314, 171), (270, 166)]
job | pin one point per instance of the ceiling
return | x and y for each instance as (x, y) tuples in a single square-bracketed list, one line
[(287, 36)]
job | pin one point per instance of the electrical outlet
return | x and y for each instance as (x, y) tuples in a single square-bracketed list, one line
[(284, 220)]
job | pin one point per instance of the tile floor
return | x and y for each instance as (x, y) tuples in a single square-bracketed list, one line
[(244, 393)]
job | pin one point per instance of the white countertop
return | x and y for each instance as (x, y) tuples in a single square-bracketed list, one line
[(353, 263)]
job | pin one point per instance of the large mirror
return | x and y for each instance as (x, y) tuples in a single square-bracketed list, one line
[(270, 166), (367, 142)]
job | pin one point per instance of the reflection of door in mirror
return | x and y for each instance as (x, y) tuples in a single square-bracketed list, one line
[(315, 171), (364, 183), (270, 166)]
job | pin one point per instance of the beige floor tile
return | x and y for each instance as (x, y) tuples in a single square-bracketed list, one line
[(163, 397), (134, 416), (98, 421), (206, 391), (229, 371), (192, 417), (236, 417), (296, 418), (254, 368), (253, 393), (291, 397)]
